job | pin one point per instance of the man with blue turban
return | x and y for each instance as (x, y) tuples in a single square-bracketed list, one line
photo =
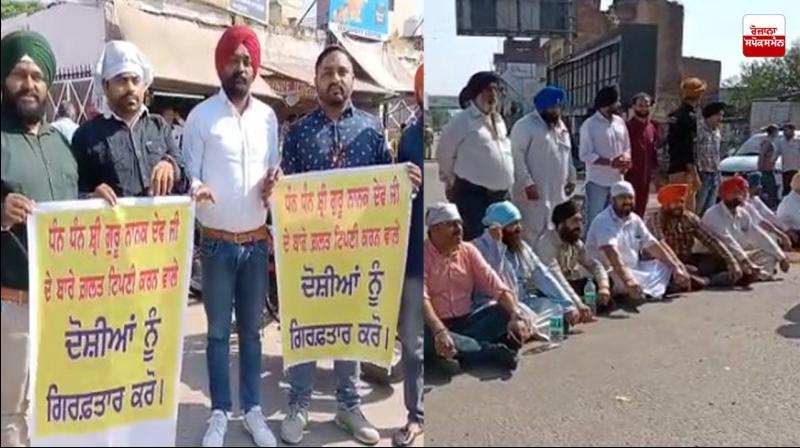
[(544, 175)]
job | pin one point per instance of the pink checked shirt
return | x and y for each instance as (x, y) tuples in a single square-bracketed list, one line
[(451, 281)]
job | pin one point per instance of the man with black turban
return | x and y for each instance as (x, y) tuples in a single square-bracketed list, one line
[(37, 166)]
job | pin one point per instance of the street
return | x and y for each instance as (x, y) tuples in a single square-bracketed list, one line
[(383, 406), (711, 368)]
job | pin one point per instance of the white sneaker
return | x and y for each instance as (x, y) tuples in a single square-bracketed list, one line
[(256, 425), (217, 426), (293, 426)]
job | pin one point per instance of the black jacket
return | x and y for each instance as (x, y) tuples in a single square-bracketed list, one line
[(681, 138), (107, 151)]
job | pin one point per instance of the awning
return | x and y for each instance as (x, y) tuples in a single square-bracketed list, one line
[(182, 52), (380, 63), (305, 73)]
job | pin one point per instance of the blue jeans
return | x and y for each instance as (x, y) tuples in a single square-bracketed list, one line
[(707, 194), (411, 335), (597, 199), (234, 278), (473, 333), (301, 382)]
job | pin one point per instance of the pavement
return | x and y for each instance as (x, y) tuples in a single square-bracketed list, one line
[(706, 369), (383, 406)]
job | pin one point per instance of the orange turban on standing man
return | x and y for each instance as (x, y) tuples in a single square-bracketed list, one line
[(230, 41)]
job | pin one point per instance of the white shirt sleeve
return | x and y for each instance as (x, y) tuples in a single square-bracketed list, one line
[(715, 223), (789, 212), (520, 145), (193, 146), (273, 150), (626, 139), (761, 239), (648, 239), (446, 152), (586, 150)]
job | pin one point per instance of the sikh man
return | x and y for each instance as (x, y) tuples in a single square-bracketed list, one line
[(730, 221), (37, 166), (454, 272), (333, 136), (231, 145), (680, 228), (543, 169), (126, 151), (619, 237), (682, 137), (503, 247), (562, 250)]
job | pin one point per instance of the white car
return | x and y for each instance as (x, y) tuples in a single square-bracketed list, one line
[(744, 160)]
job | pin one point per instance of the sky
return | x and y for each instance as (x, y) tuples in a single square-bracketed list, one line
[(712, 29)]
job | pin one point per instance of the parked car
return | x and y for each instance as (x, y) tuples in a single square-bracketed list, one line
[(744, 160)]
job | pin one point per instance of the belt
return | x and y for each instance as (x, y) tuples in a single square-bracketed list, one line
[(14, 295), (252, 236)]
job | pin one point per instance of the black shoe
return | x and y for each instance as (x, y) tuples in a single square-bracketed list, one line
[(503, 356)]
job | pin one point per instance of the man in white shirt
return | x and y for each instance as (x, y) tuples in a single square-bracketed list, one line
[(231, 146), (619, 238), (736, 227), (543, 169), (789, 211), (789, 149), (65, 122), (763, 215), (606, 149), (474, 153)]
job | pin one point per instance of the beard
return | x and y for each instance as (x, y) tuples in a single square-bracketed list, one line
[(675, 212), (551, 118), (335, 95), (642, 113), (733, 203), (513, 241), (236, 86), (26, 114), (623, 210), (570, 236)]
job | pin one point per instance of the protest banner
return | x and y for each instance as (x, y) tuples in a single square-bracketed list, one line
[(341, 239), (108, 298)]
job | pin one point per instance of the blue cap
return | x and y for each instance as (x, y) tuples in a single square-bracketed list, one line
[(503, 213)]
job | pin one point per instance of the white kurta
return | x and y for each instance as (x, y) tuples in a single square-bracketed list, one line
[(740, 232), (789, 211), (630, 237), (542, 157)]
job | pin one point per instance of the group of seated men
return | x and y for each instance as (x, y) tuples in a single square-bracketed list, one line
[(486, 298)]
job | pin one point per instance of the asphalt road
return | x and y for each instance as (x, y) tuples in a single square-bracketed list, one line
[(711, 368)]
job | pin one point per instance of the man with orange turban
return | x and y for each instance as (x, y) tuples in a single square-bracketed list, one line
[(679, 228), (410, 150), (231, 147), (682, 136), (730, 221)]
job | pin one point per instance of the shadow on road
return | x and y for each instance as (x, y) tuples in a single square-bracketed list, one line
[(791, 331)]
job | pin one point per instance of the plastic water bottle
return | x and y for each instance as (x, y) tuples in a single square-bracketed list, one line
[(557, 328), (590, 295)]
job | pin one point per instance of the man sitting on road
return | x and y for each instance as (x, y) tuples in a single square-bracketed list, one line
[(503, 247), (789, 211), (562, 250), (454, 271), (767, 219), (679, 228), (619, 237), (730, 221)]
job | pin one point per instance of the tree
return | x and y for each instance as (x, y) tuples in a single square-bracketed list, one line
[(765, 78), (10, 8)]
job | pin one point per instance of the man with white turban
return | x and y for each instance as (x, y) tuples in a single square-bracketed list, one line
[(619, 237), (454, 272), (125, 151)]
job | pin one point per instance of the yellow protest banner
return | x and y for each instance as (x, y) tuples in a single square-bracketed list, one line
[(341, 239), (108, 295)]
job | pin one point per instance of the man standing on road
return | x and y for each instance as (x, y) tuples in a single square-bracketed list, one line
[(410, 150), (543, 169), (682, 136), (767, 158), (620, 238), (503, 247), (454, 272), (37, 165), (474, 152), (335, 135), (730, 221), (680, 228), (606, 149), (789, 151), (708, 156), (65, 122), (562, 250), (126, 151), (789, 211), (231, 143), (644, 158)]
